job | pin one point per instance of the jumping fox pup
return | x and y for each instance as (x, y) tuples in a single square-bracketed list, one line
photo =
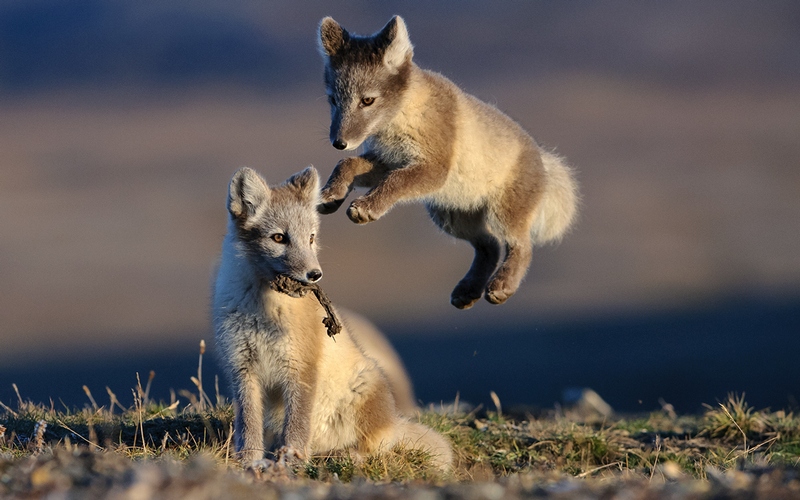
[(289, 379), (482, 178)]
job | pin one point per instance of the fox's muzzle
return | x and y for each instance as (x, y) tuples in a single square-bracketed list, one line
[(345, 131), (337, 140)]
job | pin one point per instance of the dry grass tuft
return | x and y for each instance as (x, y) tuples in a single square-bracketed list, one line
[(734, 420)]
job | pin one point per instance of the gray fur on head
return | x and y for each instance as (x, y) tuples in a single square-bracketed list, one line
[(375, 67), (392, 40), (275, 228), (306, 185), (246, 192)]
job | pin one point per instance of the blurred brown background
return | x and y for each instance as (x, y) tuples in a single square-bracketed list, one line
[(121, 123)]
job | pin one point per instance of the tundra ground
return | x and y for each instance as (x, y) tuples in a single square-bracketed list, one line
[(160, 450)]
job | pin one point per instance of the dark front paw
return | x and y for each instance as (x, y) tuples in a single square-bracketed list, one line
[(329, 207), (331, 198)]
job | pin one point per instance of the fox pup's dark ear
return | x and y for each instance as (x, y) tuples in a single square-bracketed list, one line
[(247, 191), (394, 36), (306, 184), (332, 37)]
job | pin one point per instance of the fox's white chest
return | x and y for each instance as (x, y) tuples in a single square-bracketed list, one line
[(271, 360)]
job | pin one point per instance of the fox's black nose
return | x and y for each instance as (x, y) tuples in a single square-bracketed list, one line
[(339, 144), (314, 275)]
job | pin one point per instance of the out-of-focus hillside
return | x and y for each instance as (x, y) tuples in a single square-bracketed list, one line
[(121, 123)]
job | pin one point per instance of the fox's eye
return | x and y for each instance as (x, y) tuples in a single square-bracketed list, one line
[(311, 240), (278, 238), (332, 100), (367, 101)]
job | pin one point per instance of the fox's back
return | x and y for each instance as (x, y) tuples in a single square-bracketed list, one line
[(480, 145)]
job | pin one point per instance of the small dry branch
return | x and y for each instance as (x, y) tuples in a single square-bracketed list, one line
[(295, 288)]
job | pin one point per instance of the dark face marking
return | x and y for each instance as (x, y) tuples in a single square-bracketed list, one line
[(363, 91), (363, 99), (278, 234)]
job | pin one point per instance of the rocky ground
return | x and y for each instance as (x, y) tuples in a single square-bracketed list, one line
[(163, 451)]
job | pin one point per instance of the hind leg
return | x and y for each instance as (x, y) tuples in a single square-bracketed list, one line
[(511, 217), (508, 277), (470, 226), (471, 286)]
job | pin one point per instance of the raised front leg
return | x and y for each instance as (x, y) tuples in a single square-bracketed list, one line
[(341, 181), (406, 183), (248, 425)]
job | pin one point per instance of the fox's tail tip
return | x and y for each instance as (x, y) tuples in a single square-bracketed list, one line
[(558, 208)]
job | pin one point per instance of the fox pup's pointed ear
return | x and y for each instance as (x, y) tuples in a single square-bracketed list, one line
[(331, 37), (306, 184), (246, 193), (398, 45)]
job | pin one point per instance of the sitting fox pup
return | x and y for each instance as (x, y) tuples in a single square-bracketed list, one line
[(481, 176), (288, 378)]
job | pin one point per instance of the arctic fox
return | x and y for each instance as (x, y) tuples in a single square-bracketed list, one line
[(482, 178), (288, 378)]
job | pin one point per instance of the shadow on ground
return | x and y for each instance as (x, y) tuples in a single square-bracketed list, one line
[(687, 357)]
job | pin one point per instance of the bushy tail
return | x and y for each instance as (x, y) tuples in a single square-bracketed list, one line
[(421, 437), (559, 204)]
